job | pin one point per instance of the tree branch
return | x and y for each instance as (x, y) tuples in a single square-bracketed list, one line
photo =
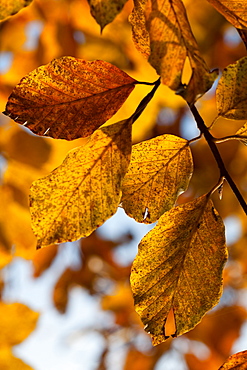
[(211, 142)]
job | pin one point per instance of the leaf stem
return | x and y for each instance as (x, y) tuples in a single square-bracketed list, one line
[(146, 83), (145, 101), (211, 142)]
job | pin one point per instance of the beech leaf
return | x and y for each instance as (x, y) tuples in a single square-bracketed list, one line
[(238, 361), (82, 193), (69, 98), (231, 92), (11, 7), (104, 11), (162, 33), (178, 269), (234, 11), (160, 170)]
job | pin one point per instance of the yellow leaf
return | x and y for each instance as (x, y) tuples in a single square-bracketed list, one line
[(9, 362), (161, 31), (69, 98), (231, 93), (17, 322), (234, 11), (15, 230), (178, 268), (243, 132), (85, 190), (104, 11), (11, 7), (160, 170), (139, 31), (236, 361)]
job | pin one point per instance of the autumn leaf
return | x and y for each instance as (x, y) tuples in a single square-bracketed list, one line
[(243, 35), (231, 93), (14, 316), (160, 170), (234, 11), (82, 193), (11, 7), (179, 268), (162, 33), (69, 98), (104, 11), (43, 259), (243, 132), (236, 361), (10, 362)]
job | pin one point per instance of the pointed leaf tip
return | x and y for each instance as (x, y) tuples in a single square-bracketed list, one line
[(105, 11), (162, 33)]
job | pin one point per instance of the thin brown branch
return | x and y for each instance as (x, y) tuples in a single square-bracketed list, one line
[(211, 142)]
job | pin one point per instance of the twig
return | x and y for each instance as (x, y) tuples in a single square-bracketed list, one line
[(211, 142)]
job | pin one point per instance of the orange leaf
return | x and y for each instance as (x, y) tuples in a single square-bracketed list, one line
[(234, 11), (43, 259), (161, 31), (104, 11), (237, 361), (69, 98)]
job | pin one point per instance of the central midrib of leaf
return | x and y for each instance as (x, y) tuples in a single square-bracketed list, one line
[(107, 91)]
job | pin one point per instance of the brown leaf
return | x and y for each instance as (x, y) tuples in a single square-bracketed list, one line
[(234, 11), (243, 35), (236, 362), (69, 98), (161, 31), (104, 11)]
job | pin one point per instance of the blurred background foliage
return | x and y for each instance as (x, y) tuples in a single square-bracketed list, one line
[(49, 29)]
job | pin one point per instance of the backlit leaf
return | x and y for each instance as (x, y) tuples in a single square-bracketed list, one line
[(69, 98), (234, 11), (160, 170), (11, 7), (178, 268), (161, 31), (236, 362), (85, 190), (43, 259), (17, 322), (231, 93), (243, 132), (104, 11), (9, 362)]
